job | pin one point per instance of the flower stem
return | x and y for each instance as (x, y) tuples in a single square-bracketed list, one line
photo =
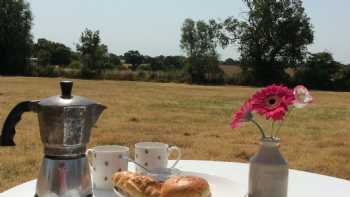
[(278, 129), (259, 127)]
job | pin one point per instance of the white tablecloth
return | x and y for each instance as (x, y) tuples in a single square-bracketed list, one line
[(301, 184)]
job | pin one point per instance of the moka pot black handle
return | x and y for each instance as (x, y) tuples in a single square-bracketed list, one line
[(8, 130)]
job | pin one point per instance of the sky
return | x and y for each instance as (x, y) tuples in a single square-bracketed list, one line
[(154, 26)]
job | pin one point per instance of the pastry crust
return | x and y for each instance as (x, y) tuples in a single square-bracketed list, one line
[(135, 185), (185, 186)]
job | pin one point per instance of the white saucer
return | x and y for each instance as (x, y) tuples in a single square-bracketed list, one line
[(163, 174)]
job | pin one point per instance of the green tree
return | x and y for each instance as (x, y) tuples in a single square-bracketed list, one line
[(157, 63), (44, 57), (199, 40), (342, 78), (102, 57), (204, 70), (174, 62), (75, 64), (42, 50), (75, 56), (274, 36), (147, 59), (52, 53), (230, 61), (114, 60), (134, 58), (15, 37), (61, 55), (319, 71), (189, 39), (94, 55)]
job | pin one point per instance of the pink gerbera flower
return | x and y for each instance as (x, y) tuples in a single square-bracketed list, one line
[(273, 101), (243, 115)]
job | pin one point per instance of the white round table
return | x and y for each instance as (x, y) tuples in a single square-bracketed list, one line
[(301, 184)]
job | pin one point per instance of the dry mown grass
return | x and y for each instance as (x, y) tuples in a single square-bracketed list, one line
[(195, 118), (231, 69)]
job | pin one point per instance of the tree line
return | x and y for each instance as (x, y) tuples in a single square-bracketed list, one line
[(272, 40)]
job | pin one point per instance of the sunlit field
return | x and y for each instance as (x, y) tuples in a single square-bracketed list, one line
[(196, 118)]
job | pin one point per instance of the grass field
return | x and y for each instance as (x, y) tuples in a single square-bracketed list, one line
[(230, 70), (196, 118)]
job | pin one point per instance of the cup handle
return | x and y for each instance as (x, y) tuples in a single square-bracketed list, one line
[(90, 151), (179, 154)]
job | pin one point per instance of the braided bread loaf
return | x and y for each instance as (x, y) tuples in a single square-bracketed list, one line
[(135, 185), (131, 184)]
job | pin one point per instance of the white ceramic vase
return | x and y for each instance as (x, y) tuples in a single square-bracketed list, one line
[(268, 171)]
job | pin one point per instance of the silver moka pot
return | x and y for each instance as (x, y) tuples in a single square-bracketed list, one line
[(65, 122)]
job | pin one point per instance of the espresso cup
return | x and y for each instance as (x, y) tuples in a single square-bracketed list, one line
[(104, 162), (154, 155)]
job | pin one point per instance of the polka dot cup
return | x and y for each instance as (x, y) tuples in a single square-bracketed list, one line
[(104, 162), (154, 155)]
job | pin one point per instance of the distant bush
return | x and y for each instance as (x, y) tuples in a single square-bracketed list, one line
[(318, 72), (166, 63), (122, 67), (109, 75), (87, 73), (144, 67), (51, 53), (114, 59), (123, 75), (165, 76), (203, 70), (75, 64), (243, 78), (142, 75), (46, 71), (342, 78), (71, 73)]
